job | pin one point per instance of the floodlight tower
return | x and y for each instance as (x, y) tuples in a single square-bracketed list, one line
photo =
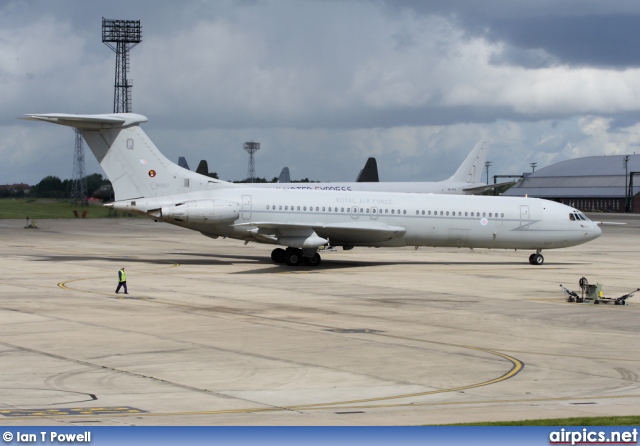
[(487, 164), (79, 180), (125, 34), (251, 147)]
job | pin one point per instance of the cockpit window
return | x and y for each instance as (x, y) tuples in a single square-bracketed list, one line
[(578, 216)]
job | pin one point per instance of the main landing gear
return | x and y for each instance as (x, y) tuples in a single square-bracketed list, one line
[(294, 257), (536, 258)]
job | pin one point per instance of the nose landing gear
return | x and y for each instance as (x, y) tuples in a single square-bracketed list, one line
[(536, 258)]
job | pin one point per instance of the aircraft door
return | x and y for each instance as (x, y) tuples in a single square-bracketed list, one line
[(246, 207), (524, 216), (374, 213), (354, 212)]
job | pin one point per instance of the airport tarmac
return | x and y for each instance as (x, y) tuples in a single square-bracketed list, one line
[(213, 333)]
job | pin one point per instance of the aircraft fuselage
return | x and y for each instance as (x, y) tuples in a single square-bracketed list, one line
[(427, 220)]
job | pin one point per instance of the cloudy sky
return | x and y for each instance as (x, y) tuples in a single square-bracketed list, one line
[(322, 85)]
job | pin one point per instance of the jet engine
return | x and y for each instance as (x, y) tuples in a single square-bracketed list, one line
[(202, 211)]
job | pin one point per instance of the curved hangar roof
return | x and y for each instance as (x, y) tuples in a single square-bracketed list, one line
[(592, 176)]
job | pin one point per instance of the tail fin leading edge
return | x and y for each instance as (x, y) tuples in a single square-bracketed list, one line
[(133, 164)]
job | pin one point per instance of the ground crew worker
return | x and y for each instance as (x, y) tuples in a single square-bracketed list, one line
[(122, 281)]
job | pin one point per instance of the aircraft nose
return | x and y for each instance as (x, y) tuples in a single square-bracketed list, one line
[(594, 232)]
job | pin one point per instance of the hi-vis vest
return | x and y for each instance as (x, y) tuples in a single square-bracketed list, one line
[(123, 276)]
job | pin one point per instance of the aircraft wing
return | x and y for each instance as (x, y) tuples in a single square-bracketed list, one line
[(350, 233), (360, 232)]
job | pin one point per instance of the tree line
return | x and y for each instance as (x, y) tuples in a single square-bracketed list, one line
[(53, 187)]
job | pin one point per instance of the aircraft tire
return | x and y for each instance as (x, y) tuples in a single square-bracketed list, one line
[(536, 259), (278, 255), (293, 257), (312, 261)]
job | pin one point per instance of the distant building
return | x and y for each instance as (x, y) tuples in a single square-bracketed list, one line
[(13, 189), (593, 183)]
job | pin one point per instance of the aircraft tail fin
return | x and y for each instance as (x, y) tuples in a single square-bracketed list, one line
[(203, 168), (470, 171), (182, 162), (285, 176), (133, 164), (369, 173)]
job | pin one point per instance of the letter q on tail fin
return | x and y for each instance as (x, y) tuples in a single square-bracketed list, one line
[(133, 164)]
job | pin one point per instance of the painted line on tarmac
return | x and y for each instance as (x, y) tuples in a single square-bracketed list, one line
[(369, 406), (70, 411), (516, 367)]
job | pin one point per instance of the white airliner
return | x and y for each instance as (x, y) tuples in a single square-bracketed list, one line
[(147, 183), (466, 180)]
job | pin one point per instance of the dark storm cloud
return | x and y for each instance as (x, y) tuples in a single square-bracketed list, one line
[(594, 40), (621, 121), (543, 33)]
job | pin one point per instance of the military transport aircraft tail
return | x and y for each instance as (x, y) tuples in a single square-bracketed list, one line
[(131, 161), (182, 162), (369, 173), (285, 176)]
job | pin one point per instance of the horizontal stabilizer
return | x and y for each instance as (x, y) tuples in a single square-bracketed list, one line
[(90, 122)]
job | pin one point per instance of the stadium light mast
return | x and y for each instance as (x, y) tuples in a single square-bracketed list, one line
[(125, 34), (487, 164), (251, 148), (78, 178), (627, 197)]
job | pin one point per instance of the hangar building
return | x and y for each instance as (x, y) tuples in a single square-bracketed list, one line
[(593, 183)]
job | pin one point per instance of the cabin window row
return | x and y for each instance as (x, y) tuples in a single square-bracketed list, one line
[(336, 209), (460, 214), (383, 211)]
